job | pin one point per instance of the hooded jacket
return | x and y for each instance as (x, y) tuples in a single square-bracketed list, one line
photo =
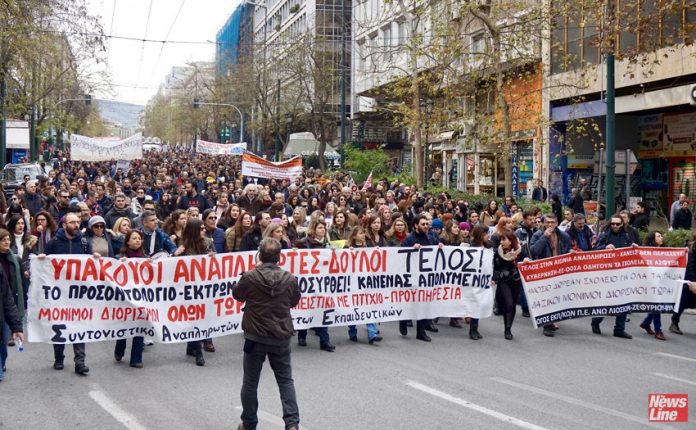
[(269, 293), (60, 244)]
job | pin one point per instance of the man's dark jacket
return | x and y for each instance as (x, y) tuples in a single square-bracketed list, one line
[(269, 293)]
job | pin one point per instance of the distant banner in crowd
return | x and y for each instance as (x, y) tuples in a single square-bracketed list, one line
[(203, 147), (84, 148), (601, 283), (84, 299), (257, 167)]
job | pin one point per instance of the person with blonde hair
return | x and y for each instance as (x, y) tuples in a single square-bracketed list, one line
[(277, 231)]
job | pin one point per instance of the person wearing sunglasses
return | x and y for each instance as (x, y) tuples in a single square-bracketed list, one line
[(99, 240), (614, 237), (212, 231)]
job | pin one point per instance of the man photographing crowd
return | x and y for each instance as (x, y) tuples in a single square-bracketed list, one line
[(268, 293)]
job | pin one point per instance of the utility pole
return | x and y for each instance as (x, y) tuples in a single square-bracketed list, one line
[(610, 116), (3, 123)]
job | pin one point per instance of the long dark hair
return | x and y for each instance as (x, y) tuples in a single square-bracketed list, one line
[(478, 236), (125, 248), (650, 239), (514, 242), (191, 238), (13, 223), (50, 222)]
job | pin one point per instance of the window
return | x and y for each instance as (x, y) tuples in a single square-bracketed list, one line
[(402, 32), (478, 47), (372, 51), (386, 41)]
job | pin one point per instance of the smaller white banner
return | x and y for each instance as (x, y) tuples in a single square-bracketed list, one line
[(211, 148), (85, 148)]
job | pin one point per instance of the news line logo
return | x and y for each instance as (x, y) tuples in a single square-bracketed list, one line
[(668, 408)]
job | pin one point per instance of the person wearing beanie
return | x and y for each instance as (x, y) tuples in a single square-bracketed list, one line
[(98, 240), (438, 225)]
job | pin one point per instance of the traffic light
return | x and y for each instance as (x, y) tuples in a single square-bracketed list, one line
[(88, 99), (196, 103)]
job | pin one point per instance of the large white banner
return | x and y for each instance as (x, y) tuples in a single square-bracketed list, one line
[(257, 167), (84, 299), (203, 147), (601, 283), (85, 148)]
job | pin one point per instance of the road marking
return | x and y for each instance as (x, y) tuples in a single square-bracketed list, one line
[(270, 418), (678, 357), (461, 402), (115, 411), (674, 378), (577, 402)]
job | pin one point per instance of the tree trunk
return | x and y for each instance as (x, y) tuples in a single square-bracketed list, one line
[(502, 104)]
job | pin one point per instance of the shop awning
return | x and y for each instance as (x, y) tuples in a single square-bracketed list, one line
[(305, 144), (441, 137)]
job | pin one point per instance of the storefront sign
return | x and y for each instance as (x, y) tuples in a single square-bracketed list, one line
[(679, 135), (649, 136)]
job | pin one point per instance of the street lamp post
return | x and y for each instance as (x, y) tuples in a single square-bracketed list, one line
[(197, 103)]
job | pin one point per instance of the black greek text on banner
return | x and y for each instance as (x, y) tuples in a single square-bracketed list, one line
[(602, 283), (85, 299)]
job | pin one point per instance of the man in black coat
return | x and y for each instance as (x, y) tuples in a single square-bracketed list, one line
[(68, 240), (539, 193), (193, 199), (614, 237), (419, 237), (641, 218), (683, 217), (268, 293)]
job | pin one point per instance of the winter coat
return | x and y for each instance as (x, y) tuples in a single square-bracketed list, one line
[(34, 203), (422, 239), (577, 237), (541, 247), (269, 293), (115, 213), (682, 220), (162, 242), (310, 243), (9, 304), (619, 240), (252, 239), (251, 206), (218, 238), (524, 236), (14, 282), (60, 244)]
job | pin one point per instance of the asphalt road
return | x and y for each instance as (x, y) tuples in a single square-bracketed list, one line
[(576, 380)]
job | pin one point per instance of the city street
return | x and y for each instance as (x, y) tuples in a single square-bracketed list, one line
[(576, 380)]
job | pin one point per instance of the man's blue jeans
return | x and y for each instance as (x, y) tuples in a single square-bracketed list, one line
[(371, 331)]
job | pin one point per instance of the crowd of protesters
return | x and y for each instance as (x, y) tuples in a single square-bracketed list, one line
[(176, 203)]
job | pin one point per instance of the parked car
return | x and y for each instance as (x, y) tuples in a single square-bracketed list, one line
[(13, 175)]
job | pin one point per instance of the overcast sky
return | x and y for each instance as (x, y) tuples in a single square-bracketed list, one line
[(137, 69)]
